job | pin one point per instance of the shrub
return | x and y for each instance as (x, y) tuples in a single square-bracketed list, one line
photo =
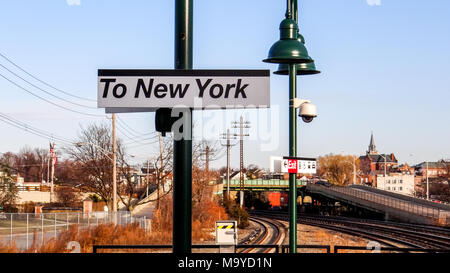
[(240, 215), (67, 196)]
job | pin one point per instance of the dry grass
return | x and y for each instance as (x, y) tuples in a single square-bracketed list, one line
[(204, 216)]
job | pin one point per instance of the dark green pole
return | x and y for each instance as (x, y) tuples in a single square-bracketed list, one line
[(293, 94), (292, 153), (182, 149)]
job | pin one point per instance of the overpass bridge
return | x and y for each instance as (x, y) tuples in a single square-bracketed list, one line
[(392, 205), (263, 184)]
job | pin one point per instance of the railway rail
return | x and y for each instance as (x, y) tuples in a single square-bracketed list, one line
[(390, 234), (270, 232)]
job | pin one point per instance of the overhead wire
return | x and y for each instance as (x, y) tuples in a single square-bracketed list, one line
[(48, 101), (36, 131), (49, 93), (45, 83)]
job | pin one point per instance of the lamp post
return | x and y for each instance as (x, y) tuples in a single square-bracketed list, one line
[(290, 52)]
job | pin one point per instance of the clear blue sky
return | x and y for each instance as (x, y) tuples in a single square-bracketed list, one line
[(385, 68)]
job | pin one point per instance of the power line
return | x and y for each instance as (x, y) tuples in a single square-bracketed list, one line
[(43, 82), (36, 131), (134, 136), (140, 145), (49, 93), (48, 101), (132, 139), (136, 132)]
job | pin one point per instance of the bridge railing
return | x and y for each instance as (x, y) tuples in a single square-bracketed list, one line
[(382, 200)]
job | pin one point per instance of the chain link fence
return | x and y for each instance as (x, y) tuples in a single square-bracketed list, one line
[(24, 228)]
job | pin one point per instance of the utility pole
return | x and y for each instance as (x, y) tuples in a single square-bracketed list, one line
[(227, 136), (52, 175), (147, 176), (114, 164), (241, 125), (160, 173), (182, 148), (428, 186), (207, 163), (207, 159), (48, 169), (354, 170)]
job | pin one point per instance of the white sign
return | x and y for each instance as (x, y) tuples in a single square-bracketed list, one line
[(299, 165), (147, 90), (226, 232)]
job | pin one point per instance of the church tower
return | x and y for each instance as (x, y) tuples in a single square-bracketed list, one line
[(372, 149)]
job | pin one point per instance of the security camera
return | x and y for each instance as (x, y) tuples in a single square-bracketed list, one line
[(307, 110)]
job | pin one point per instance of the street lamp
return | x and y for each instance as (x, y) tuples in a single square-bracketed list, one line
[(114, 159), (290, 52)]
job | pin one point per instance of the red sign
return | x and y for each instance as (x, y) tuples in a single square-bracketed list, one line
[(292, 165)]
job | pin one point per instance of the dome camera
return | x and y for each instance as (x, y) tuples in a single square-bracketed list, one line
[(307, 112)]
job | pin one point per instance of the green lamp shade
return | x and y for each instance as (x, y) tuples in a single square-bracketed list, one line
[(288, 50), (302, 69)]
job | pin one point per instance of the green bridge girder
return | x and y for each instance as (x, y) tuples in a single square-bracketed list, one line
[(263, 184)]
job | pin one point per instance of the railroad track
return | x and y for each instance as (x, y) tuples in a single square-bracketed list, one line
[(386, 233), (270, 232)]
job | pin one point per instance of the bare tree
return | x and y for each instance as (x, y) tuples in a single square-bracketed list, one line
[(95, 160), (203, 153)]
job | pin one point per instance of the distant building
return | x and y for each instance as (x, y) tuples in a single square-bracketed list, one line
[(373, 164), (396, 182), (237, 175), (435, 169)]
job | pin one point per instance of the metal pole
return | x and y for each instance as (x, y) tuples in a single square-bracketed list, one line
[(428, 186), (42, 227), (292, 153), (241, 175), (147, 177), (11, 241), (228, 163), (182, 149), (55, 226), (52, 186), (114, 165), (48, 170), (27, 228)]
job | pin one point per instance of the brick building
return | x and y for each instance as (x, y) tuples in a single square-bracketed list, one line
[(373, 164)]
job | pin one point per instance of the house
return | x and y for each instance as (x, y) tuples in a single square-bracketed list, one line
[(237, 175)]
